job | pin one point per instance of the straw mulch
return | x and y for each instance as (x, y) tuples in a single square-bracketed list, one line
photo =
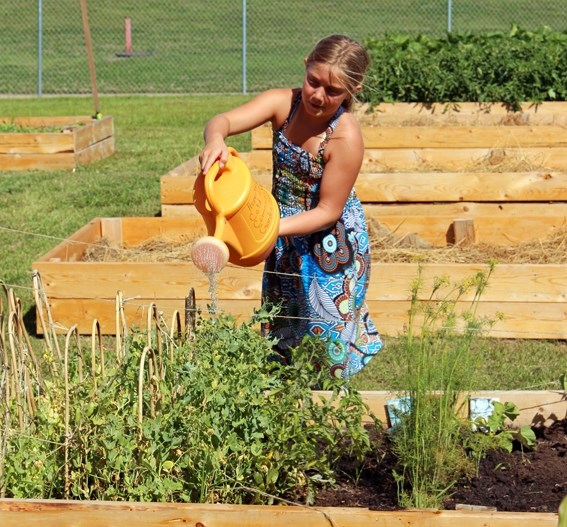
[(386, 247), (389, 248), (159, 249)]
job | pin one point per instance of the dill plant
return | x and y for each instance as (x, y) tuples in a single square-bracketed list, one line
[(438, 368)]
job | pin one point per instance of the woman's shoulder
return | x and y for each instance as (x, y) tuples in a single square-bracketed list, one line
[(278, 95), (346, 138), (281, 101), (347, 125)]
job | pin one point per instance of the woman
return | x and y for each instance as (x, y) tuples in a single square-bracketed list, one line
[(320, 267)]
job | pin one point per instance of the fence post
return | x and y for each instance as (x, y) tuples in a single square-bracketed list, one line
[(244, 49), (449, 16), (39, 47)]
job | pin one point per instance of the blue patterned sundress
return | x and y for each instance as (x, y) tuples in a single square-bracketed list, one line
[(319, 279)]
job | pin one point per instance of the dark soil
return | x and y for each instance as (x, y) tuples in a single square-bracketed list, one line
[(521, 481)]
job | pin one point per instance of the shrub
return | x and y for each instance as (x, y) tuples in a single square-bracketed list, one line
[(215, 420), (514, 67)]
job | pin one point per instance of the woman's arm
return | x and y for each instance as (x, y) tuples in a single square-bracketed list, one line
[(343, 159), (270, 105)]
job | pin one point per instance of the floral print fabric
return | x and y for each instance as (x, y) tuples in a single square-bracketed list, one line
[(320, 279)]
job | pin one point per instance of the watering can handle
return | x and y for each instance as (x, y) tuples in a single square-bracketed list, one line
[(237, 184), (211, 176)]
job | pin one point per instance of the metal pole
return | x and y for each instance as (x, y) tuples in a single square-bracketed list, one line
[(39, 48), (449, 15), (244, 49)]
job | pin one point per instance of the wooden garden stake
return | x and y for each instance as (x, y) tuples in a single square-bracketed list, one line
[(463, 231), (90, 58)]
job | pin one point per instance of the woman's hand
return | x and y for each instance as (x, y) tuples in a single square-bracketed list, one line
[(214, 151)]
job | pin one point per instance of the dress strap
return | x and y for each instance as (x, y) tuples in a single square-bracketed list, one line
[(294, 106), (331, 128)]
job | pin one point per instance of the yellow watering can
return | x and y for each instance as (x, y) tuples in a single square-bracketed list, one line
[(241, 216)]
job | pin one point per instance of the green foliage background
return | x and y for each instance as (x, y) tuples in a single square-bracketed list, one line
[(511, 68)]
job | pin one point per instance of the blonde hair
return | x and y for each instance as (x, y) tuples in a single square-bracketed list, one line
[(347, 56)]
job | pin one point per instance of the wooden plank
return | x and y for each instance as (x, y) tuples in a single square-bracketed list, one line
[(515, 320), (497, 136), (95, 152), (519, 320), (448, 159), (464, 159), (462, 209), (158, 280), (83, 312), (461, 119), (461, 108), (93, 132), (452, 209), (465, 137), (111, 231), (37, 161), (60, 513), (389, 281), (36, 143), (461, 186), (432, 223), (73, 248), (462, 232), (46, 121), (542, 185), (493, 230)]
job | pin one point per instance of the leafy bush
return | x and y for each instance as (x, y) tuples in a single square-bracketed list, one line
[(215, 420), (514, 67)]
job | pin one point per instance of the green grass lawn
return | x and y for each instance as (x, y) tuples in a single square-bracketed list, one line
[(153, 135)]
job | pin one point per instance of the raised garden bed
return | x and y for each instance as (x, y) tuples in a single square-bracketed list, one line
[(536, 407), (530, 297), (466, 159), (23, 513), (50, 143)]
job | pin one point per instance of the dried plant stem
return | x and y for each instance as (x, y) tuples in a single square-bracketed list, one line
[(42, 304), (141, 371), (121, 326), (15, 371), (176, 329), (67, 412), (96, 337)]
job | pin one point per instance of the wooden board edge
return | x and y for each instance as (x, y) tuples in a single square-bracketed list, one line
[(68, 513)]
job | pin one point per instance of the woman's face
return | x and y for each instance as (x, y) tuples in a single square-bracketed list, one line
[(323, 90)]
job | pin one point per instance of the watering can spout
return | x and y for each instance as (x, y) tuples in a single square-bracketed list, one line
[(237, 211)]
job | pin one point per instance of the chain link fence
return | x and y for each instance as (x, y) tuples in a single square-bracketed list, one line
[(221, 46)]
